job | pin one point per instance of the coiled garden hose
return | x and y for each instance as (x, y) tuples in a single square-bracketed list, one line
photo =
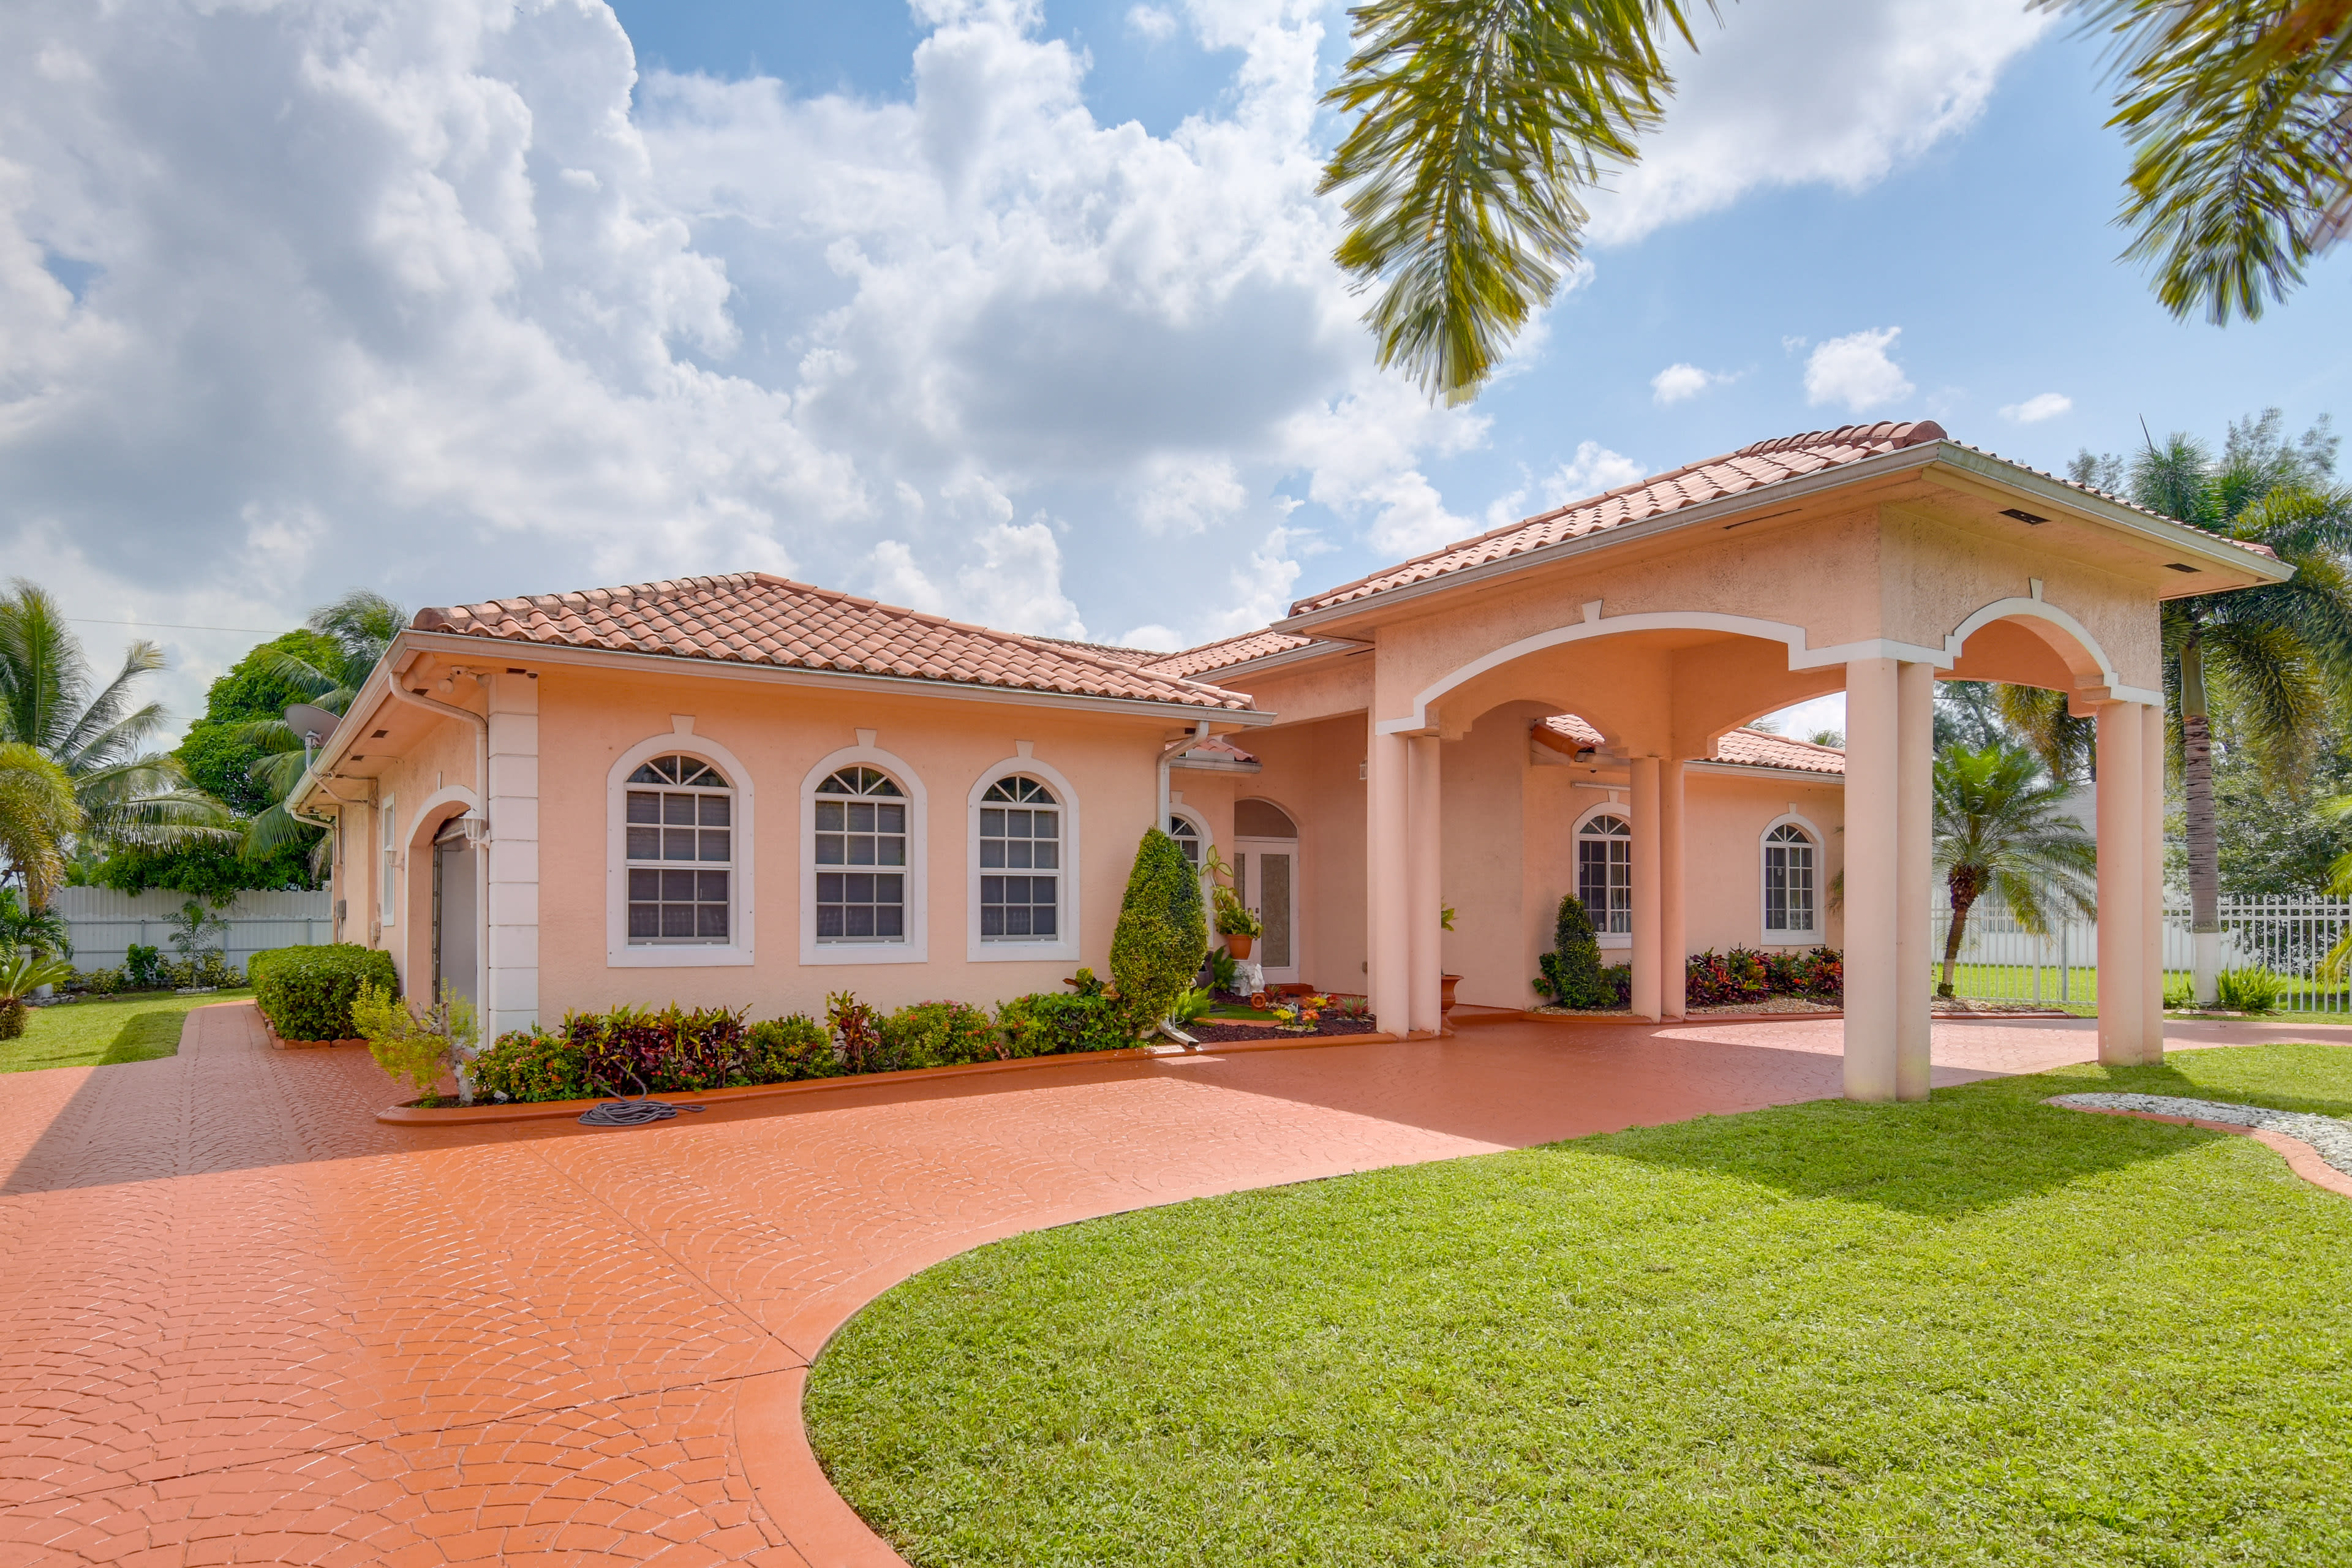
[(642, 1111)]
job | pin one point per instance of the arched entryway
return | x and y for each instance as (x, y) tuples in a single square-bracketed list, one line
[(1265, 870)]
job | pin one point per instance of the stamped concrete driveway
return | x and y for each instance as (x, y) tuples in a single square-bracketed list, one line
[(241, 1321)]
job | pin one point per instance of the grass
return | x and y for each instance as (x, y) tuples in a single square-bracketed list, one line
[(103, 1031), (1974, 1331)]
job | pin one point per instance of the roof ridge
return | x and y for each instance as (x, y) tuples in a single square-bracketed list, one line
[(1896, 434)]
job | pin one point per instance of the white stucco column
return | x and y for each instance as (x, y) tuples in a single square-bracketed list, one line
[(1915, 760), (1674, 941), (2123, 864), (510, 998), (2152, 740), (1387, 935), (1873, 836), (1426, 898), (1649, 933)]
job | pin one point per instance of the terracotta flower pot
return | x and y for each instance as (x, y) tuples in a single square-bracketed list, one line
[(1445, 993), (1239, 946)]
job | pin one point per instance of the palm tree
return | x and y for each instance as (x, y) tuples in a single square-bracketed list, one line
[(1482, 120), (2000, 829), (50, 700), (38, 814), (2280, 652), (362, 625)]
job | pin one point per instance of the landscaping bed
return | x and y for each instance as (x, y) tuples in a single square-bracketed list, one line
[(1974, 1330), (1227, 1034)]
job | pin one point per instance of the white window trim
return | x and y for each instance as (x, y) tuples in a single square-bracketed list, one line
[(977, 950), (1608, 940), (1767, 937), (917, 947), (388, 862), (618, 952), (1208, 847)]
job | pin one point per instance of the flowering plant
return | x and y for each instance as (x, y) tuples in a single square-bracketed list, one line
[(1298, 1014)]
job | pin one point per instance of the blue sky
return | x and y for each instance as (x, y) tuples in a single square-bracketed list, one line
[(1019, 314)]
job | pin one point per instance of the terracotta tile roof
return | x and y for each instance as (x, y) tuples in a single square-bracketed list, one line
[(1750, 468), (750, 617), (1216, 749), (1762, 749), (1226, 652), (1750, 748), (1134, 658)]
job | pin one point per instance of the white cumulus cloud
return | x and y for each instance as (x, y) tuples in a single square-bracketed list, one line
[(1679, 383), (1153, 22), (2034, 409), (1855, 370)]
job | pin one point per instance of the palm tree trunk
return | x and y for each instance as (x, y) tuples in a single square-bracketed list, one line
[(1964, 898), (2204, 850)]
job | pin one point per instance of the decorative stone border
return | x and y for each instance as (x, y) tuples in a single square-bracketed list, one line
[(2318, 1148)]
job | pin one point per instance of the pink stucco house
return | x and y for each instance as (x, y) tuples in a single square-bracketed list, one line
[(752, 792)]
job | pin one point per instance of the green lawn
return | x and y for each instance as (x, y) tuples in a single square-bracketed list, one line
[(102, 1031), (1976, 1330)]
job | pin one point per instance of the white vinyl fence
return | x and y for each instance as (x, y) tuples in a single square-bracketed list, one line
[(1999, 960), (105, 922)]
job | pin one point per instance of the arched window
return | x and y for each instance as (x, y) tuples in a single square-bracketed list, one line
[(1791, 886), (680, 849), (861, 856), (1189, 838), (1020, 862), (1604, 872)]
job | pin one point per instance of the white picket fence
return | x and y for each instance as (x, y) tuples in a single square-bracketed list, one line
[(105, 923), (1999, 960)]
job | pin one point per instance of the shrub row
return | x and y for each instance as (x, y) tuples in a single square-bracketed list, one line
[(306, 992), (1745, 974), (632, 1051), (146, 969)]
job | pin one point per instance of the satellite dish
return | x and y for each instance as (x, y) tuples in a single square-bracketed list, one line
[(313, 724)]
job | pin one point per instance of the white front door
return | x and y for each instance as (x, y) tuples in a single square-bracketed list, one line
[(1266, 872)]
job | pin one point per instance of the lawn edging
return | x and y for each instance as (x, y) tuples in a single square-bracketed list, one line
[(2301, 1158), (552, 1110)]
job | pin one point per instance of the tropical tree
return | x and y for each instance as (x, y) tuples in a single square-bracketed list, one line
[(2001, 830), (38, 815), (355, 630), (51, 702), (1480, 121), (2281, 652)]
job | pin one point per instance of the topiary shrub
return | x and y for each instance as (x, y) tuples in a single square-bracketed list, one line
[(1046, 1023), (937, 1034), (1161, 938), (784, 1050), (1572, 976), (306, 992)]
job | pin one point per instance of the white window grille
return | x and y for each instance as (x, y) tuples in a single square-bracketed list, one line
[(1604, 873), (388, 891), (1020, 862), (680, 853), (861, 857), (1789, 893)]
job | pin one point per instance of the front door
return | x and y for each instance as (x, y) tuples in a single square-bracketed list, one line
[(1266, 872)]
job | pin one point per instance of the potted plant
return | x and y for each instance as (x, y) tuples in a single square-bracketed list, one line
[(1235, 923), (1446, 982)]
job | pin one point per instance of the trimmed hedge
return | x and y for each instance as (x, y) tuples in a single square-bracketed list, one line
[(937, 1034), (306, 991), (1046, 1025)]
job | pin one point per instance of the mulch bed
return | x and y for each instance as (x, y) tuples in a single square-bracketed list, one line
[(1229, 1034)]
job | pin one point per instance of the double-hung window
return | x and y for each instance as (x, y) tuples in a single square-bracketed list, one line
[(1789, 891), (1020, 862), (681, 853), (1604, 873), (861, 857)]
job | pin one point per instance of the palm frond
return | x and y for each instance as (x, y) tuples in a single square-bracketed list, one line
[(110, 725), (1479, 122)]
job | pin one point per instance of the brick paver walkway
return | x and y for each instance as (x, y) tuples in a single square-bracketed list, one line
[(241, 1321)]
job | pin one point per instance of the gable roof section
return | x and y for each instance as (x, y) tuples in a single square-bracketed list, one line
[(753, 619), (1750, 468), (1227, 652), (1745, 747)]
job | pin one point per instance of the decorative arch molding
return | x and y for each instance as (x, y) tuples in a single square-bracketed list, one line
[(917, 947), (1073, 851), (431, 813), (738, 949), (1802, 656), (2036, 608)]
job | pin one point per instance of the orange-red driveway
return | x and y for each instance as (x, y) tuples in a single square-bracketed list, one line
[(241, 1321)]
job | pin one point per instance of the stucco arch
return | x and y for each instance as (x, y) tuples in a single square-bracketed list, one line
[(2051, 630)]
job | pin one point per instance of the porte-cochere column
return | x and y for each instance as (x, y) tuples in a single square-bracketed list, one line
[(2131, 883), (1889, 725)]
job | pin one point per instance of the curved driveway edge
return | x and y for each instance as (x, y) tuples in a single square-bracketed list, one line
[(250, 1322)]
